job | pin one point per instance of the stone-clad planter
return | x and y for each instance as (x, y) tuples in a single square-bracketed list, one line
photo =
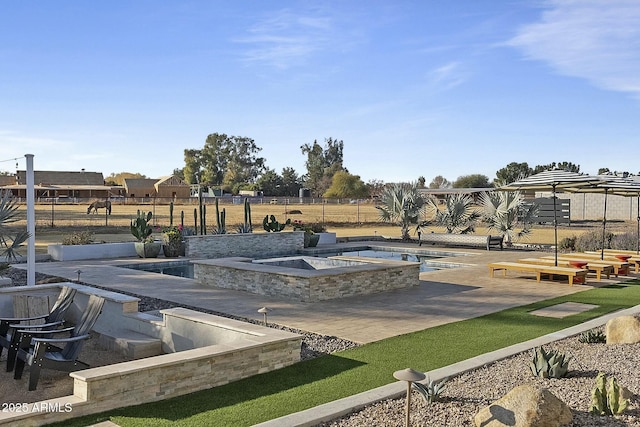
[(92, 251), (250, 245)]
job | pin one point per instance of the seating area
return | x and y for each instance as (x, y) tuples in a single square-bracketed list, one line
[(619, 267), (60, 354), (574, 275), (593, 267), (46, 341)]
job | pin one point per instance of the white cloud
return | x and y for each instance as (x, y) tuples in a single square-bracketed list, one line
[(592, 39), (286, 38), (448, 76)]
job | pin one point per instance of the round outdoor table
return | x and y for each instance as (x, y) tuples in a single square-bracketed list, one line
[(622, 257)]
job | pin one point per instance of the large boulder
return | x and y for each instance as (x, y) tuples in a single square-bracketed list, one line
[(525, 406), (623, 330)]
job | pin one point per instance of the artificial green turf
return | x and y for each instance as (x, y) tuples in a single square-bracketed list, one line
[(321, 380)]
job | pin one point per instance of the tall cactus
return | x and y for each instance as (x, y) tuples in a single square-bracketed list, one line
[(221, 227), (171, 214), (195, 219)]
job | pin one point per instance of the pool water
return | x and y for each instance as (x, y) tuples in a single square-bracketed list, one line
[(185, 268), (179, 269)]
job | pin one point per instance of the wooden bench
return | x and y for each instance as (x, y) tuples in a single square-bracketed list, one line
[(597, 268), (634, 258), (573, 274), (450, 239), (619, 267)]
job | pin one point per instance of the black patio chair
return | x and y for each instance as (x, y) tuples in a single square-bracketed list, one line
[(60, 354), (9, 339)]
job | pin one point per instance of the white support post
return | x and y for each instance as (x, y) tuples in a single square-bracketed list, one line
[(31, 223)]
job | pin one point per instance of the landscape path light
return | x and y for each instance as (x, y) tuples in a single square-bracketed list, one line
[(410, 376), (78, 271), (264, 310)]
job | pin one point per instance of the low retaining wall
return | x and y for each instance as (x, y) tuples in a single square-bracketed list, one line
[(250, 245), (92, 251), (206, 351), (349, 276)]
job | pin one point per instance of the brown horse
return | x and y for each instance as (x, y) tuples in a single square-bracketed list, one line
[(99, 204)]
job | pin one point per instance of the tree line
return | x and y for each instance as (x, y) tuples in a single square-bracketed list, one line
[(233, 163)]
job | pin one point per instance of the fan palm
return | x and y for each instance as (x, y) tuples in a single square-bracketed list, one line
[(403, 205), (503, 211), (459, 215), (8, 215)]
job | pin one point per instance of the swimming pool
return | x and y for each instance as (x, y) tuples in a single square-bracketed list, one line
[(173, 268), (427, 261)]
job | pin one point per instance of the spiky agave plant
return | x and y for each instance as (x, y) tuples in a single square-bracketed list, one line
[(503, 211), (430, 390), (9, 214)]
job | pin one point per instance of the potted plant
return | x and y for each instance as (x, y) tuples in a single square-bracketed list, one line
[(172, 244), (146, 247), (310, 238)]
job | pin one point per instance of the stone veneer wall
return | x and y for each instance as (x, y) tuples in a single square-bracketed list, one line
[(308, 285), (139, 381), (250, 245)]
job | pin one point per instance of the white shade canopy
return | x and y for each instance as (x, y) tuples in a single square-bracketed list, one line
[(552, 180), (611, 184)]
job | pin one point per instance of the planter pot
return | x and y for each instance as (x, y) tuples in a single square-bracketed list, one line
[(313, 240), (148, 250), (93, 251), (173, 249)]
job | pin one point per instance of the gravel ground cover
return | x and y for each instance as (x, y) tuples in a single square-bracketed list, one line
[(466, 394)]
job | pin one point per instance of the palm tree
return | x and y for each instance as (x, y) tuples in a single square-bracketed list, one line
[(503, 210), (459, 215), (8, 215), (403, 205)]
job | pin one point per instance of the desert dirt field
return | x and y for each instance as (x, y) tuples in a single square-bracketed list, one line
[(55, 221)]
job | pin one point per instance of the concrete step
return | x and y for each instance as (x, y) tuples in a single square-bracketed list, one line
[(132, 345)]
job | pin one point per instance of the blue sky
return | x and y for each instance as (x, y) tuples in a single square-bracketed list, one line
[(413, 88)]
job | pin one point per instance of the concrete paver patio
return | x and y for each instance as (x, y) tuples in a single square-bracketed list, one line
[(444, 296)]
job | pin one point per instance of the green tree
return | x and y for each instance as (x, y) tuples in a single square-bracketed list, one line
[(504, 210), (422, 182), (512, 172), (345, 185), (376, 187), (322, 163), (118, 178), (565, 166), (402, 204), (178, 173), (291, 182), (472, 181), (459, 214), (270, 183), (229, 161), (439, 182)]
